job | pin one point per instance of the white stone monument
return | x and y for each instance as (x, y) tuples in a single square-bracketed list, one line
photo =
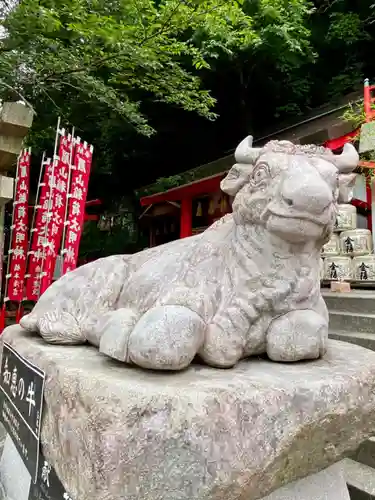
[(247, 286)]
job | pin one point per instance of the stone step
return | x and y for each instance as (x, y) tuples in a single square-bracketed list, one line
[(357, 301), (360, 480), (351, 322), (362, 339), (365, 454)]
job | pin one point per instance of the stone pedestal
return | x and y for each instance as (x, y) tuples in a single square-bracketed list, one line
[(328, 484), (114, 431)]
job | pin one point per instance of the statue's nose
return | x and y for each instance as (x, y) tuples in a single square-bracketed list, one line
[(307, 192)]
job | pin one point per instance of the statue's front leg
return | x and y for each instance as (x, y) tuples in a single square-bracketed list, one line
[(297, 335), (225, 338), (167, 337)]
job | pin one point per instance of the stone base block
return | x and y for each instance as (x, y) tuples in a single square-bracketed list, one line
[(112, 431), (10, 148), (328, 484), (6, 189), (14, 477), (15, 119)]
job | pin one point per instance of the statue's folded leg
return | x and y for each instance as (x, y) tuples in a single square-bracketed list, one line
[(166, 338), (55, 326), (297, 335)]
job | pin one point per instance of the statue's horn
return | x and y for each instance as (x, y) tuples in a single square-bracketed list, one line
[(348, 160), (245, 153)]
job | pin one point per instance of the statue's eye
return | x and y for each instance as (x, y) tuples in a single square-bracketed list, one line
[(260, 173)]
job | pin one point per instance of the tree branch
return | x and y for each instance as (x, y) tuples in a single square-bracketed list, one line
[(99, 62), (328, 5), (19, 95)]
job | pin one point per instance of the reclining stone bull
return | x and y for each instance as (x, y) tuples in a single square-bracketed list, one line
[(246, 286)]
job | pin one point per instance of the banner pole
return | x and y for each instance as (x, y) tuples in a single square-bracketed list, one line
[(12, 229), (7, 275), (32, 228), (49, 207)]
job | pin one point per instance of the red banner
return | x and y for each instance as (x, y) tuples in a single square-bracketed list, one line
[(55, 225), (39, 242), (19, 243), (77, 199)]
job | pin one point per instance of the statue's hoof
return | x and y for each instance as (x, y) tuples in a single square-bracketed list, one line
[(221, 349), (296, 336), (166, 338), (116, 327)]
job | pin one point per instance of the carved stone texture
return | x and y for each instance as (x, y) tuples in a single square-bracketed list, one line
[(246, 286), (117, 432)]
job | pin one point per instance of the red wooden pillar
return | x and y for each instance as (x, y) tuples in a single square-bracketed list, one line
[(370, 215), (367, 100), (186, 217)]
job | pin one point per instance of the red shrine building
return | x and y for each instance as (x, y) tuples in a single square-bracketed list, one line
[(189, 209)]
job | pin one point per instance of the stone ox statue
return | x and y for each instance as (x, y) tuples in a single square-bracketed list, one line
[(246, 286)]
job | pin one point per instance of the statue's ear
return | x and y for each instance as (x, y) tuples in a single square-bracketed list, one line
[(346, 187), (237, 177)]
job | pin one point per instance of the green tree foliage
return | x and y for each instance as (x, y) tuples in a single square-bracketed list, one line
[(113, 53), (356, 116), (343, 34), (110, 61)]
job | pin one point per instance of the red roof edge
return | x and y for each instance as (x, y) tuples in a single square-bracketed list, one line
[(196, 188)]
